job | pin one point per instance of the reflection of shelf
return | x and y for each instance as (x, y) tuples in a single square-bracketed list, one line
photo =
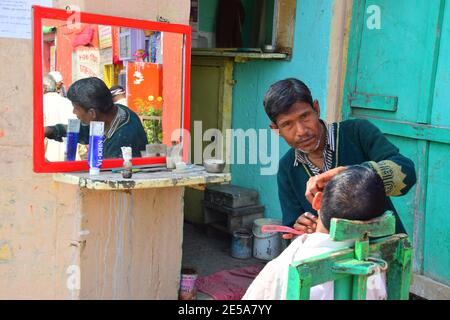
[(239, 56)]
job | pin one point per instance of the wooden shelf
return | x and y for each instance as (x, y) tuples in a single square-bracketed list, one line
[(114, 181), (239, 56)]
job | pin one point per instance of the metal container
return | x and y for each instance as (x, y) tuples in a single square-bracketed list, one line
[(214, 165), (231, 196), (266, 246), (241, 244)]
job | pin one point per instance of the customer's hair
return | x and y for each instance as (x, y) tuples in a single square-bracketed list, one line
[(283, 94), (354, 194), (91, 93), (49, 84)]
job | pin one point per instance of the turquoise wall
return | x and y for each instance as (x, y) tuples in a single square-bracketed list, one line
[(309, 63)]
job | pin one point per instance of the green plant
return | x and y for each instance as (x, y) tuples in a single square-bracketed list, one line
[(151, 120)]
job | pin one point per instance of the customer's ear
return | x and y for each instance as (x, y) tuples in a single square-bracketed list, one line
[(317, 201)]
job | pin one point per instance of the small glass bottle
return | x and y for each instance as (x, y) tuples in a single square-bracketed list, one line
[(127, 171)]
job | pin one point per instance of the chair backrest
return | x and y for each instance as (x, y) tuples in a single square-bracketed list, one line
[(349, 268), (342, 229)]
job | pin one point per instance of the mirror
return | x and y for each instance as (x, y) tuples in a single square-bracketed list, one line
[(81, 62)]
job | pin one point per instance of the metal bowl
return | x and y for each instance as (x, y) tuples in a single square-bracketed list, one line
[(214, 165)]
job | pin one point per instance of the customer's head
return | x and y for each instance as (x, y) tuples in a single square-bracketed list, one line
[(117, 92), (56, 75), (354, 194), (49, 84), (293, 113), (90, 98)]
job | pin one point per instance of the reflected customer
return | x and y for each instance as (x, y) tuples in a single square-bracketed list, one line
[(56, 75), (92, 101), (119, 95), (57, 109)]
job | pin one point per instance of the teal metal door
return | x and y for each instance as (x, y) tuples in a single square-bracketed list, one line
[(398, 77)]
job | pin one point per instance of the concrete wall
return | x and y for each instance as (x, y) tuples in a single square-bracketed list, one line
[(40, 219), (309, 63)]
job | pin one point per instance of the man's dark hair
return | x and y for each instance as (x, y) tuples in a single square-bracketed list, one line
[(283, 94), (354, 194), (91, 93)]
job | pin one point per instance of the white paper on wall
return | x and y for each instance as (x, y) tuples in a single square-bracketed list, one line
[(15, 17)]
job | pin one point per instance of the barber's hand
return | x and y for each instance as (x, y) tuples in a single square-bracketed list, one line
[(307, 223), (317, 183)]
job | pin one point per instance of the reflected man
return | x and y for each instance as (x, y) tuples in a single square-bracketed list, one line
[(92, 101)]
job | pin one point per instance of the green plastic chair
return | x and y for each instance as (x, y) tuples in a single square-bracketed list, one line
[(350, 267)]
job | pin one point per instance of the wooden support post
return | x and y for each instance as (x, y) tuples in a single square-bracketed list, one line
[(305, 287), (293, 287), (299, 283), (343, 288), (399, 273), (359, 288), (361, 250)]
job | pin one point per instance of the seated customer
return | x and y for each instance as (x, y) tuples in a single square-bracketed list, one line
[(57, 109), (355, 194), (92, 101), (60, 89)]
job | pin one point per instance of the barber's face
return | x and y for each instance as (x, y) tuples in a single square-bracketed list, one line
[(85, 116), (300, 126)]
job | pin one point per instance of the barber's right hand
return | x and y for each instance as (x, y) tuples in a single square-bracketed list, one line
[(307, 223)]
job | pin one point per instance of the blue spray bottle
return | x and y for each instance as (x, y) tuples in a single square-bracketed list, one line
[(73, 129), (95, 152)]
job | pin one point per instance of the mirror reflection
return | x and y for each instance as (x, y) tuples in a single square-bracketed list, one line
[(129, 79)]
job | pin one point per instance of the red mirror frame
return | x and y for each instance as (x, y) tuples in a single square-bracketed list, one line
[(39, 13)]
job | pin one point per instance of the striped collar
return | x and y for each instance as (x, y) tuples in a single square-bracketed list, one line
[(120, 118), (328, 151)]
